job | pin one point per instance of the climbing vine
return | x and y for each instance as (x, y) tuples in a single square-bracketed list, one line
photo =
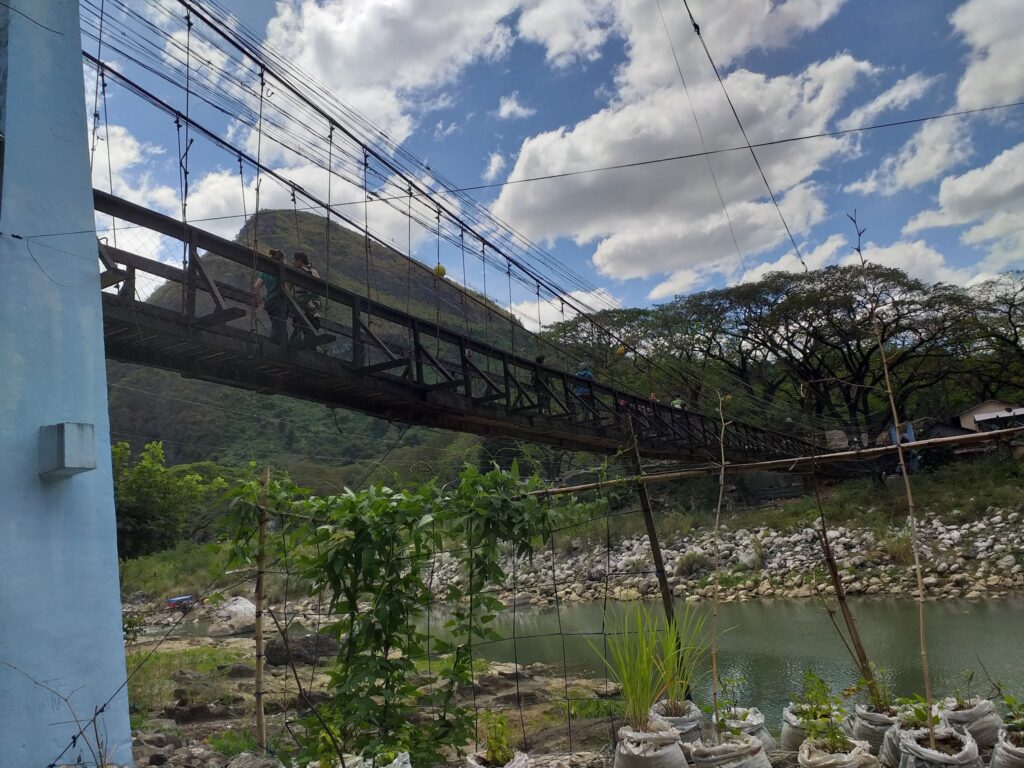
[(371, 553)]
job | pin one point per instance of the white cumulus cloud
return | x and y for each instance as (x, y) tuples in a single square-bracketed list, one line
[(495, 165), (534, 315), (902, 93), (509, 108), (935, 149), (991, 199)]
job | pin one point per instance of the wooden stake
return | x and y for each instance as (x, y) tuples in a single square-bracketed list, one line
[(860, 655), (652, 532), (261, 564)]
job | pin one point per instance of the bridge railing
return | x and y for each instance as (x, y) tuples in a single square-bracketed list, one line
[(380, 341)]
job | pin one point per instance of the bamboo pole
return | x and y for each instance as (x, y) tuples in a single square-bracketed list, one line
[(785, 464), (261, 565), (718, 725)]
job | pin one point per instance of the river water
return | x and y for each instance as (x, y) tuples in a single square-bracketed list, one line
[(769, 643)]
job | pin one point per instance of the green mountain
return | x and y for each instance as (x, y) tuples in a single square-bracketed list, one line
[(201, 421)]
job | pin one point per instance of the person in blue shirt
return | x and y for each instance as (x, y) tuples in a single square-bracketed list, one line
[(583, 389)]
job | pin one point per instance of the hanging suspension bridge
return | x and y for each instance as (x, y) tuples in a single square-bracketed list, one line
[(378, 359), (467, 363)]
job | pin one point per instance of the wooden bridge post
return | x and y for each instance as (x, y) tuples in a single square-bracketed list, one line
[(652, 532)]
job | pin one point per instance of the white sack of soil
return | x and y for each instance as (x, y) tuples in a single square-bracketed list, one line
[(748, 721), (915, 755), (657, 748), (1007, 754), (794, 731), (871, 727), (980, 719), (690, 723), (742, 751), (519, 760), (859, 756)]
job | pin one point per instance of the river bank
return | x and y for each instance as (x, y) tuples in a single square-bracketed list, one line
[(979, 559)]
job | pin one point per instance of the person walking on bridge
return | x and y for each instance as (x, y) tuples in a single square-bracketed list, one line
[(308, 301), (268, 293), (584, 390)]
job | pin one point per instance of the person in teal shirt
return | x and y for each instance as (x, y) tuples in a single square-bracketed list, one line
[(269, 295)]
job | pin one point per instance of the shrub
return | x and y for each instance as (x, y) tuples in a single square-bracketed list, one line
[(898, 547), (498, 750), (692, 562)]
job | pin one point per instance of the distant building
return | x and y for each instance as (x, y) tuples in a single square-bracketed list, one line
[(991, 414), (986, 416)]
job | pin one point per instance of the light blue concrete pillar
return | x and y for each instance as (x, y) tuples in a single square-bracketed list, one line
[(60, 616)]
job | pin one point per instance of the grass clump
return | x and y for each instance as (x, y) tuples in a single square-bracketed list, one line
[(151, 687), (633, 644), (898, 547), (682, 650), (233, 742)]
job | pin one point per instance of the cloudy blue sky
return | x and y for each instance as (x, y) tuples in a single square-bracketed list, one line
[(495, 90)]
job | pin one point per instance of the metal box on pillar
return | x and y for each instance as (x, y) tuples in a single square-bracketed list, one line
[(66, 449)]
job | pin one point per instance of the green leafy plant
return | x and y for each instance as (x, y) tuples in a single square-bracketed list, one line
[(827, 734), (1014, 712), (369, 553), (816, 700), (729, 709), (634, 642), (962, 690), (913, 712), (496, 736), (683, 646), (879, 688), (821, 714)]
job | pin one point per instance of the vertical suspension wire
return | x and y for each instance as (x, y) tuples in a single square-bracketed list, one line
[(96, 87), (511, 318), (259, 167), (536, 285), (408, 276), (183, 156), (487, 308), (565, 351), (295, 221), (106, 133), (252, 271), (327, 223), (437, 286), (245, 213), (465, 284)]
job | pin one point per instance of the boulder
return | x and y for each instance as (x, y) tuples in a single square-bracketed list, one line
[(235, 617), (308, 649)]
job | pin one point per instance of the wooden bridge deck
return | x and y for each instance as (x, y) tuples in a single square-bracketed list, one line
[(376, 359)]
